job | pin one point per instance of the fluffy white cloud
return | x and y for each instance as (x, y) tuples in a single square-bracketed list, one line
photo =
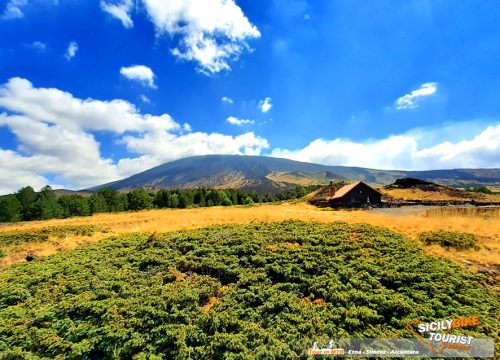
[(212, 32), (55, 133), (411, 100), (403, 152), (265, 105), (227, 100), (139, 73), (120, 11), (71, 50), (59, 107), (13, 9), (238, 122), (11, 177), (69, 154), (161, 147)]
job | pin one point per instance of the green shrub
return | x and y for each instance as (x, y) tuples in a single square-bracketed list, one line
[(480, 189), (21, 237), (257, 291), (457, 240)]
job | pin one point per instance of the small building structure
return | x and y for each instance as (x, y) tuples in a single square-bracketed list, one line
[(353, 195)]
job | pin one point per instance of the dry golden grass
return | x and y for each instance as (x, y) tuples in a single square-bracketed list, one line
[(487, 230), (298, 179), (287, 245), (17, 253), (417, 194)]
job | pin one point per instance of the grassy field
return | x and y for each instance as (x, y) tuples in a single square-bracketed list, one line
[(445, 195), (485, 228), (255, 291)]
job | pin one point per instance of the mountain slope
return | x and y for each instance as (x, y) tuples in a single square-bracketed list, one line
[(272, 174)]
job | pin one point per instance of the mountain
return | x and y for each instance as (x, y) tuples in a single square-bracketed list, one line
[(270, 174), (62, 192)]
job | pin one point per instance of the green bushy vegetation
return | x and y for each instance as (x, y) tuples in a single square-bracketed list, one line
[(27, 205), (22, 237), (480, 189), (258, 291), (454, 239)]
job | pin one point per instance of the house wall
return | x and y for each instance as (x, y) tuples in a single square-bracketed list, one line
[(358, 197)]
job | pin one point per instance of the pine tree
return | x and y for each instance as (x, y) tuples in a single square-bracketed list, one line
[(98, 204), (139, 199), (10, 208)]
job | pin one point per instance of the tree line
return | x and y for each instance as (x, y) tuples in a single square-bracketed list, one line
[(480, 189), (26, 204)]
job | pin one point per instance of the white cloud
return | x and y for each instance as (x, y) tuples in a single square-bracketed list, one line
[(59, 107), (120, 11), (71, 50), (38, 46), (55, 133), (403, 152), (139, 73), (161, 146), (145, 99), (410, 100), (227, 100), (13, 9), (265, 105), (211, 32), (239, 122)]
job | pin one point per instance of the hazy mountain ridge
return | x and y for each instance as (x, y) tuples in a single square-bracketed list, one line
[(262, 173)]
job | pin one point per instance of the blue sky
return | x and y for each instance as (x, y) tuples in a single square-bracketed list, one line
[(93, 91)]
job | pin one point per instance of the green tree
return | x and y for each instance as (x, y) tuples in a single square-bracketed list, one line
[(241, 197), (214, 197), (189, 196), (199, 197), (122, 202), (173, 200), (139, 199), (161, 199), (26, 196), (480, 189), (300, 192), (10, 208), (46, 207), (114, 201), (182, 201), (248, 200), (234, 198), (74, 205), (225, 201), (98, 204)]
